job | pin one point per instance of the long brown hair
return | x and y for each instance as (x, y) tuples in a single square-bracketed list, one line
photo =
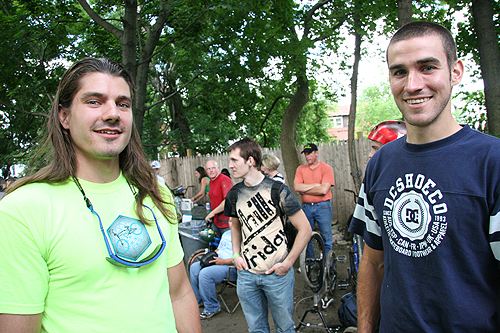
[(203, 173), (58, 145)]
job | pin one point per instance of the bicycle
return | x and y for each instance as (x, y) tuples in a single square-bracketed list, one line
[(355, 254), (319, 273), (213, 244)]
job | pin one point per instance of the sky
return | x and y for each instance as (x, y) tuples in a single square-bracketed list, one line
[(372, 71), (373, 68)]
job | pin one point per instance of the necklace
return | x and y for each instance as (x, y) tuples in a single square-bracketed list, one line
[(122, 244)]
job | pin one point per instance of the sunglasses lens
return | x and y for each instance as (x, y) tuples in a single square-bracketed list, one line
[(130, 264), (116, 263), (155, 252)]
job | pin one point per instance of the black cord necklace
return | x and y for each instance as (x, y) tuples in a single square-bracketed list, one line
[(114, 258), (87, 200)]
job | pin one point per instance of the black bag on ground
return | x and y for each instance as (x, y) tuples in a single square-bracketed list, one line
[(348, 310), (206, 258)]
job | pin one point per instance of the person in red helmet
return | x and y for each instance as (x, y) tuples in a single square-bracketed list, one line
[(384, 132)]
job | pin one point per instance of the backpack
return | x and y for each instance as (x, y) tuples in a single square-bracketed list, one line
[(348, 310), (290, 230)]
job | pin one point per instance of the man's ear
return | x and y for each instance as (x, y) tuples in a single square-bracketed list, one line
[(251, 161), (457, 72), (63, 117)]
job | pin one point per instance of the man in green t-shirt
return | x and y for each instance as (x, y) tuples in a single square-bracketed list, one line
[(90, 242)]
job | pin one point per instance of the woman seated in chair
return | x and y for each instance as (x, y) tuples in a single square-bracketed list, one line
[(204, 280)]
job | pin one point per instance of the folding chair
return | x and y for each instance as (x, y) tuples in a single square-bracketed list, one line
[(227, 282)]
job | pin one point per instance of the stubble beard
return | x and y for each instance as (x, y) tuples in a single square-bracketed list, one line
[(426, 121)]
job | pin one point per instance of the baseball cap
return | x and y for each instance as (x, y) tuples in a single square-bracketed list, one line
[(155, 165), (309, 148)]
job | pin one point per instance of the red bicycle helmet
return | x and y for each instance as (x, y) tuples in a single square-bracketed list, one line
[(387, 131)]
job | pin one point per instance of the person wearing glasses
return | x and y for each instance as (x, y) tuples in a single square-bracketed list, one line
[(219, 186), (89, 242)]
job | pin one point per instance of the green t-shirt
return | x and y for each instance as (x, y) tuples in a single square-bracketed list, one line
[(53, 261), (207, 188)]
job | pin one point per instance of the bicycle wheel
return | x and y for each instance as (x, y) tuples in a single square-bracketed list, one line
[(313, 268), (360, 246), (347, 233), (353, 264), (355, 258), (196, 256), (331, 272)]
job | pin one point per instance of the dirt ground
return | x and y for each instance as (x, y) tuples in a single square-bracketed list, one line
[(303, 300)]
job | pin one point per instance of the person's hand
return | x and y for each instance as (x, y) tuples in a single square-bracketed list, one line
[(217, 261), (209, 217), (280, 268), (240, 263)]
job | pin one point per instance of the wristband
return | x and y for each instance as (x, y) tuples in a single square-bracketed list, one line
[(236, 255)]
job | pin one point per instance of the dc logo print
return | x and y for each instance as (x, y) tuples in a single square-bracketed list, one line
[(415, 215), (411, 216)]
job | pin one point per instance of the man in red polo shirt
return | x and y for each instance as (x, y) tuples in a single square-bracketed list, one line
[(219, 186)]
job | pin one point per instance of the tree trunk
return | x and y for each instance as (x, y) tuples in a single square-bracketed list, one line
[(134, 60), (141, 83), (287, 138), (179, 123), (489, 60), (356, 173), (405, 12), (128, 39)]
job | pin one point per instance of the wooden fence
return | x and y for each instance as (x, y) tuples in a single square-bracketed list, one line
[(177, 171)]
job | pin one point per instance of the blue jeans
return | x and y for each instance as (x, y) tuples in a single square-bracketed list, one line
[(320, 212), (203, 282), (256, 291)]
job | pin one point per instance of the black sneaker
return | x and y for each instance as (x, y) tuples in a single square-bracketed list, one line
[(205, 314)]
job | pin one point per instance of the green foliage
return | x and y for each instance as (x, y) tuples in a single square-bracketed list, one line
[(227, 60), (235, 87), (466, 38), (218, 61), (375, 104), (473, 112), (313, 122), (32, 44)]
